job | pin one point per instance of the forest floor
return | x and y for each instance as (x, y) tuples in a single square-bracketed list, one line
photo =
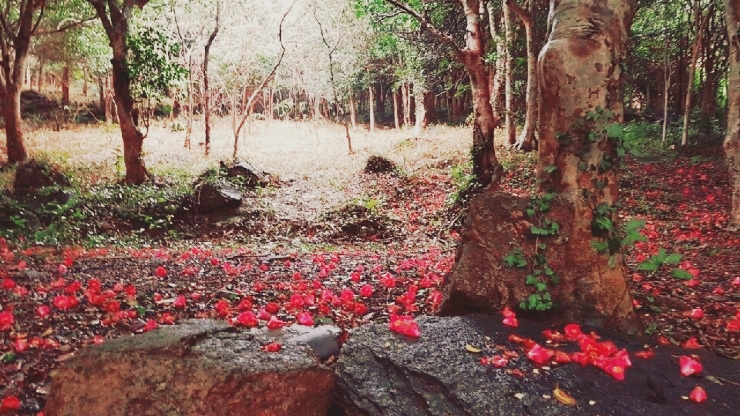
[(329, 243)]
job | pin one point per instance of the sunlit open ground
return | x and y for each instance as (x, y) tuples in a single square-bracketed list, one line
[(317, 152)]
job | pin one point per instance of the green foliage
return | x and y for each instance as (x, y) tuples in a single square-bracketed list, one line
[(152, 63), (515, 259), (546, 228), (464, 181), (657, 261)]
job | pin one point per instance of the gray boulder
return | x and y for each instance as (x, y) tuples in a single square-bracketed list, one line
[(250, 175), (217, 195), (382, 373), (202, 367)]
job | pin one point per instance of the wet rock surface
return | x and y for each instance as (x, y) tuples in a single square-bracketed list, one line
[(202, 367), (381, 373)]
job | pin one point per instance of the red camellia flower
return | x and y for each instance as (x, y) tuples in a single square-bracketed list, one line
[(248, 319), (167, 319), (275, 323), (510, 317), (20, 344), (222, 308), (296, 301), (161, 271), (272, 307), (272, 347), (63, 302), (130, 291), (733, 325), (258, 286), (366, 291), (180, 302), (405, 325), (244, 305), (572, 332), (305, 318), (645, 354), (263, 315), (42, 311), (6, 320), (359, 309), (691, 344), (157, 298), (8, 283), (388, 281), (73, 288), (698, 395), (697, 313), (689, 366), (540, 355), (150, 325), (347, 296), (9, 404)]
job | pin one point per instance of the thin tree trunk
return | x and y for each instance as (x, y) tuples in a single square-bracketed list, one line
[(191, 104), (421, 111), (371, 106), (396, 120), (692, 71), (581, 81), (510, 128), (732, 139), (352, 110), (65, 85), (666, 91), (406, 105), (526, 140), (206, 81)]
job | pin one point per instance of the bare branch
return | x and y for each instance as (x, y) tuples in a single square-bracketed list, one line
[(519, 11), (268, 77), (428, 26)]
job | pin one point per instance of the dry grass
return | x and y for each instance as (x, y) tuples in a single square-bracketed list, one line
[(316, 152)]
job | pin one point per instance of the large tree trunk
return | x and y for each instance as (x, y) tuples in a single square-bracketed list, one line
[(732, 140), (133, 138), (498, 67), (526, 140), (486, 168), (13, 124), (116, 27), (581, 81)]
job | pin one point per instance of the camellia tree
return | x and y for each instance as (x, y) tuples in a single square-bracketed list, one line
[(576, 270)]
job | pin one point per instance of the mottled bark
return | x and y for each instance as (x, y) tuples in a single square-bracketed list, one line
[(580, 85), (732, 140)]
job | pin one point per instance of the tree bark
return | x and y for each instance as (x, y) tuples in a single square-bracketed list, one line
[(580, 85), (396, 120), (702, 21), (65, 85), (16, 39), (509, 126), (498, 67), (206, 86), (422, 119), (732, 139), (526, 140), (371, 106), (13, 124), (352, 110), (115, 22)]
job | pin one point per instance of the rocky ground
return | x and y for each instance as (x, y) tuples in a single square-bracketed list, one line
[(355, 252)]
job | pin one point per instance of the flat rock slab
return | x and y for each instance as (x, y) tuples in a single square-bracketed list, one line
[(201, 367), (381, 373)]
